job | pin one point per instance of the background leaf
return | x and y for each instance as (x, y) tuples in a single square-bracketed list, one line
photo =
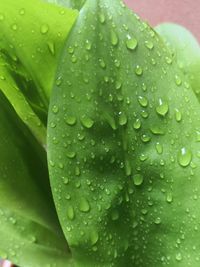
[(123, 145), (30, 233), (75, 4), (31, 38), (185, 49)]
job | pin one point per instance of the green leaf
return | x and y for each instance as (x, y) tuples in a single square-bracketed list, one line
[(32, 36), (75, 4), (185, 49), (30, 232), (123, 145)]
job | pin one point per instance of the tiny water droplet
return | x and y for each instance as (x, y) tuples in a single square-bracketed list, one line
[(44, 29), (14, 27), (169, 197), (115, 215), (102, 18), (137, 124), (122, 119), (138, 70), (178, 257), (70, 213), (102, 63), (145, 138), (88, 45), (114, 38), (159, 148), (149, 45), (178, 115), (22, 11), (157, 220), (2, 17), (55, 109), (178, 80), (184, 157)]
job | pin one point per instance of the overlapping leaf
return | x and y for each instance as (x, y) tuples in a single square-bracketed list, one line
[(185, 49), (30, 234), (124, 145), (32, 35)]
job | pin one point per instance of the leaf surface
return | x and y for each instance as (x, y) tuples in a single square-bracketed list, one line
[(123, 145), (31, 38), (185, 49), (29, 229)]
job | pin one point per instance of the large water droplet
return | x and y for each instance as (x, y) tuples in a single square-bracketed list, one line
[(87, 122), (84, 205), (184, 157), (159, 148), (143, 101), (137, 124), (178, 115), (70, 120), (131, 43), (114, 38), (94, 237), (138, 179), (44, 28), (122, 119), (162, 107), (70, 213)]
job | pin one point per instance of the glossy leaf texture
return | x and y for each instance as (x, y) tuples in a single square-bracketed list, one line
[(32, 34), (30, 234), (75, 4), (185, 49), (123, 145)]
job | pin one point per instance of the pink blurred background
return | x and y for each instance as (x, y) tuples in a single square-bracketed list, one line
[(184, 12)]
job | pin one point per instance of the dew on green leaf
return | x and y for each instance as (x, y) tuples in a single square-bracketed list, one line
[(169, 197), (159, 148), (84, 205), (157, 221), (143, 101), (114, 38), (138, 70), (184, 157), (88, 45), (149, 45), (162, 108), (138, 179), (178, 115), (70, 213), (122, 119), (87, 122), (178, 257), (131, 43), (145, 138), (44, 29), (55, 109), (70, 120), (115, 215), (102, 18), (94, 237), (137, 124)]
